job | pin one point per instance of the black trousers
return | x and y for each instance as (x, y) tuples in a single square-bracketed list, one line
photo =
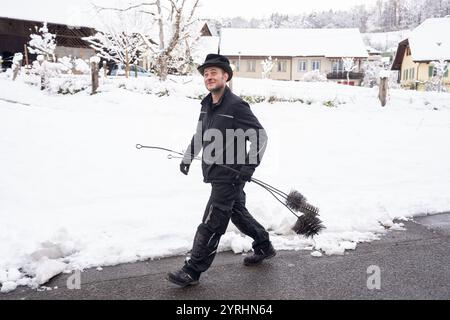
[(227, 202)]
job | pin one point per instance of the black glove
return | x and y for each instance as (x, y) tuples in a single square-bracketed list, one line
[(246, 173), (184, 168)]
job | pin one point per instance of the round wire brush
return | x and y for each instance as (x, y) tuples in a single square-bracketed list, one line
[(309, 223)]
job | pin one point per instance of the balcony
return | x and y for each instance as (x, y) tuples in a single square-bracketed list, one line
[(343, 76)]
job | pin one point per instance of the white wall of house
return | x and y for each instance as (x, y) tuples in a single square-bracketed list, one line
[(250, 67), (303, 65), (83, 53), (286, 68)]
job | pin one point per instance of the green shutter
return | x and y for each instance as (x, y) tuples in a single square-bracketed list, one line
[(446, 74), (430, 71)]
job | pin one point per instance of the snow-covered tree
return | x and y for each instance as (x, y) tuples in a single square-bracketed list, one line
[(267, 67), (371, 69), (383, 15), (441, 67), (123, 35), (349, 66), (162, 31), (43, 43), (17, 64), (175, 20), (70, 65)]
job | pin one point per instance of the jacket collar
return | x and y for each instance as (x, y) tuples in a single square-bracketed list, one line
[(207, 102)]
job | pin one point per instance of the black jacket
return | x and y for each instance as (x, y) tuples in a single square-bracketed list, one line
[(231, 112)]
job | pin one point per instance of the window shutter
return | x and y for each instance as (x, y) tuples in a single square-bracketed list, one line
[(430, 71)]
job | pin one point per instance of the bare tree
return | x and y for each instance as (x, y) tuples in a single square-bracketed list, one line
[(267, 66), (349, 66), (166, 33), (181, 17), (123, 37)]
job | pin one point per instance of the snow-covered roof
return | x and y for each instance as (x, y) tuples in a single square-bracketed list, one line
[(372, 50), (430, 40), (292, 42), (35, 11), (205, 46)]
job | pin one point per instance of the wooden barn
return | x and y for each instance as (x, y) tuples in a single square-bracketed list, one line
[(15, 34)]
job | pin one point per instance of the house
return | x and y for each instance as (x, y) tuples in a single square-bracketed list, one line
[(15, 34), (206, 44), (374, 54), (427, 43), (296, 52)]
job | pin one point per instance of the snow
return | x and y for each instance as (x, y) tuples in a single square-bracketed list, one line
[(8, 286), (292, 42), (94, 59), (47, 11), (82, 66), (385, 74), (77, 194), (205, 46), (429, 41), (47, 269)]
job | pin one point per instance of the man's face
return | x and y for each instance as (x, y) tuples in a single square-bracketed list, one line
[(215, 79)]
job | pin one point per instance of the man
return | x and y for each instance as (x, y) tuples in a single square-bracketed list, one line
[(226, 124)]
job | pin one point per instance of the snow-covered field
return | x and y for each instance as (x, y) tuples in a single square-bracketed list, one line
[(76, 193)]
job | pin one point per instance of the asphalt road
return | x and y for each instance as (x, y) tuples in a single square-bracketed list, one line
[(413, 264)]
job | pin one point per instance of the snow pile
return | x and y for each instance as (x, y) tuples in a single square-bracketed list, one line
[(77, 194), (47, 269)]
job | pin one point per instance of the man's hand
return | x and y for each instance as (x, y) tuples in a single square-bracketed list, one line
[(184, 168), (246, 173)]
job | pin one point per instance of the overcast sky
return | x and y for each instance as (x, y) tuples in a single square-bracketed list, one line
[(72, 12)]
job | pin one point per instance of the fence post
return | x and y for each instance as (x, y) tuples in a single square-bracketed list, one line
[(17, 64), (94, 73), (41, 61), (383, 91), (127, 64), (27, 62)]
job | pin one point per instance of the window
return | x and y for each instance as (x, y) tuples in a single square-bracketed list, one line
[(316, 65), (338, 66), (412, 73), (251, 65), (282, 66), (432, 71), (302, 66)]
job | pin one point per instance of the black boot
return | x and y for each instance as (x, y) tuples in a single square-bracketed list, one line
[(260, 255), (182, 279)]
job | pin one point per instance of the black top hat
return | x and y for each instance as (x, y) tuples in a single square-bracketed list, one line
[(216, 60)]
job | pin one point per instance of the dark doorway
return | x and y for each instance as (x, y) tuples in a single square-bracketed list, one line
[(7, 59)]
